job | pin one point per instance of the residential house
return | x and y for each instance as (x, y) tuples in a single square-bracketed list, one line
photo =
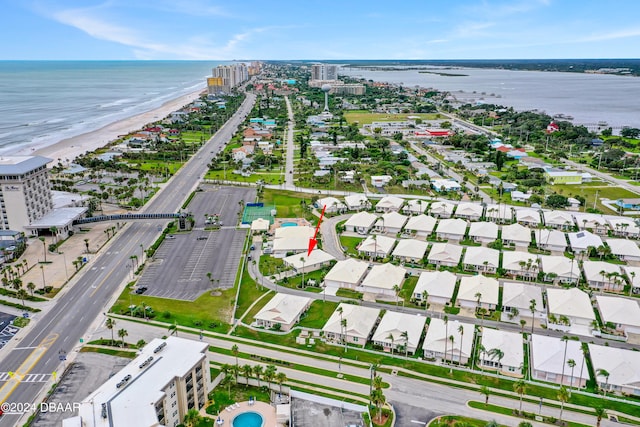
[(516, 235), (520, 264), (415, 207), (629, 204), (519, 196), (451, 229), (516, 301), (633, 276), (420, 225), (622, 367), (399, 331), (445, 254), (347, 273), (479, 287), (260, 225), (485, 260), (438, 285), (623, 227), (376, 246), (438, 341), (624, 249), (499, 213), (469, 211), (352, 324), (483, 232), (389, 204), (444, 185), (331, 205), (382, 279), (570, 310), (291, 240), (592, 222), (624, 313), (442, 209), (550, 240), (305, 262), (502, 351), (582, 240), (360, 222), (410, 250), (548, 357), (561, 220), (282, 311), (357, 202), (528, 217), (559, 269), (391, 222), (380, 180)]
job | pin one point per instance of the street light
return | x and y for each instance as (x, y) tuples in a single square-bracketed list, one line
[(64, 259)]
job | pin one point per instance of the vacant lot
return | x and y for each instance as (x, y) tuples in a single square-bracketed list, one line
[(364, 117)]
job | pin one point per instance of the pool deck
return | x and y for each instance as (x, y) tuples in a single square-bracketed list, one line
[(267, 412)]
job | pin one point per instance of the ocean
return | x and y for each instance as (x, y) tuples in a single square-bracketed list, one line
[(43, 102), (589, 98)]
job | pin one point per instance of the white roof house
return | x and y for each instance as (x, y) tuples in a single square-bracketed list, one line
[(624, 249), (471, 286), (519, 295), (420, 225), (477, 258), (548, 361), (316, 260), (377, 246), (507, 344), (439, 286), (498, 213), (530, 217), (623, 312), (437, 340), (291, 239), (622, 365), (551, 240), (394, 324), (360, 222), (346, 274), (633, 274), (360, 323), (445, 254), (415, 207), (603, 275), (558, 219), (483, 231), (589, 221), (470, 211), (581, 240), (575, 305), (357, 202), (282, 309), (410, 250), (559, 269), (260, 225), (622, 226), (391, 222), (442, 209), (332, 204), (516, 234), (445, 185), (382, 278), (517, 263), (389, 204), (451, 229)]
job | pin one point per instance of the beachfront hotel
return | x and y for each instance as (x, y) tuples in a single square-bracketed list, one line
[(167, 379), (225, 77)]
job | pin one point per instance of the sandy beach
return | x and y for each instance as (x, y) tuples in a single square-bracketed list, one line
[(70, 148)]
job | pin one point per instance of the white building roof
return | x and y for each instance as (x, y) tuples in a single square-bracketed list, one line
[(633, 278), (330, 203), (571, 302), (410, 248), (384, 276), (318, 256), (452, 226), (561, 266), (486, 286), (548, 356), (394, 324), (377, 244), (618, 223), (438, 334), (519, 295), (390, 202), (510, 343), (436, 283), (347, 271), (516, 232), (441, 208), (360, 320), (528, 215), (618, 310), (392, 220), (301, 231), (622, 365), (511, 260), (283, 308), (483, 229), (478, 255), (60, 218), (416, 206), (583, 239), (469, 209), (355, 201), (422, 223), (592, 270), (558, 218), (498, 211), (445, 252), (589, 220), (361, 219), (260, 224), (624, 247), (550, 237)]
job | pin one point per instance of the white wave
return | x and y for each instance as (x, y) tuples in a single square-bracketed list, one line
[(117, 102)]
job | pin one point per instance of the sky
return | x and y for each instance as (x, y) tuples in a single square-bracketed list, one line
[(310, 29)]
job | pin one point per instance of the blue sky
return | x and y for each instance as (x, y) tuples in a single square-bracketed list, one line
[(310, 29)]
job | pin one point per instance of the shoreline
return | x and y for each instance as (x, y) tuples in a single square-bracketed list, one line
[(70, 148)]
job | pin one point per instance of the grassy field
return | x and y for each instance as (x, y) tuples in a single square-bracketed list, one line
[(249, 292), (318, 314), (288, 203), (365, 117), (249, 317), (161, 166), (350, 244), (228, 175), (589, 193)]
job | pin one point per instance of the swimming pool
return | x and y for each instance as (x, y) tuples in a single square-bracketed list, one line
[(289, 224), (248, 419)]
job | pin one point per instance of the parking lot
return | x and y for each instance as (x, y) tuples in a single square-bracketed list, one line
[(7, 330), (222, 201), (408, 415)]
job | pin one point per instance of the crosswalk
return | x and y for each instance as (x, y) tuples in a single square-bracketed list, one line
[(29, 378)]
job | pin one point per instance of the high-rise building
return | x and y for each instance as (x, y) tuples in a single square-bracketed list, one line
[(226, 77), (25, 192), (157, 388), (324, 72)]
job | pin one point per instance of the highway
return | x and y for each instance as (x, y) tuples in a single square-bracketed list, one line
[(77, 307)]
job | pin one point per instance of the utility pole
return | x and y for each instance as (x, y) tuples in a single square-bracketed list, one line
[(596, 199)]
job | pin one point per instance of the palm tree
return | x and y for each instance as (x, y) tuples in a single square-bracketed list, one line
[(22, 294), (378, 399), (44, 247), (405, 337), (532, 307), (522, 324), (461, 332), (600, 413), (520, 387), (478, 296), (390, 338), (86, 244), (246, 372), (396, 289), (110, 323), (604, 373), (445, 319), (235, 351), (192, 418), (496, 353), (173, 329), (257, 371), (452, 339), (484, 390), (425, 297), (563, 397), (269, 374), (564, 357), (572, 364), (281, 378), (302, 261), (121, 334), (31, 286)]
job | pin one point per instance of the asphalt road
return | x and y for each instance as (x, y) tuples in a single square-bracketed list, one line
[(77, 307)]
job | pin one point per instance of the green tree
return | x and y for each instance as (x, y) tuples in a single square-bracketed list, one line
[(484, 390), (192, 418), (600, 414), (557, 201), (563, 397), (247, 370), (110, 324), (281, 378), (520, 387), (121, 334)]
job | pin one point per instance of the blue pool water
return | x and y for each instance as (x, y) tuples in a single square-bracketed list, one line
[(289, 224), (248, 419)]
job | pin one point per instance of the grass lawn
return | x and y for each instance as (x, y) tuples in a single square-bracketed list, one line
[(248, 318), (249, 292), (288, 203), (110, 352), (267, 177), (455, 420), (348, 293), (350, 244), (407, 289), (589, 193), (365, 117), (208, 312), (221, 398), (318, 314), (154, 165), (510, 411)]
